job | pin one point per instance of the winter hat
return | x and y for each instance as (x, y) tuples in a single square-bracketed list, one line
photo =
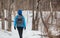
[(19, 12)]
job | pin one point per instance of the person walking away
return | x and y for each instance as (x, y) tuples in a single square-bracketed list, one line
[(19, 23)]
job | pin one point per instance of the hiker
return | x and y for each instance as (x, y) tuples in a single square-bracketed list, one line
[(19, 23)]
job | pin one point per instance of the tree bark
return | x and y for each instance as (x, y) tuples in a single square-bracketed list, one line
[(33, 22), (2, 13), (9, 14)]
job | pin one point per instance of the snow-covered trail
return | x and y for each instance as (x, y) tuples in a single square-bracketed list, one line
[(14, 34)]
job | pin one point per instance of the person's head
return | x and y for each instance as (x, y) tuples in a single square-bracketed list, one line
[(19, 12)]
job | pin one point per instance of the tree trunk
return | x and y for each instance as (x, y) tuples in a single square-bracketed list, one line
[(9, 22), (33, 23), (37, 16), (0, 9), (2, 12), (9, 15)]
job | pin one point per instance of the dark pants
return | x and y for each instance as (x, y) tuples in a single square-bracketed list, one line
[(20, 31)]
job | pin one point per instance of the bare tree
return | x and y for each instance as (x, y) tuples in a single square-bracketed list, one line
[(2, 13), (33, 22), (9, 14)]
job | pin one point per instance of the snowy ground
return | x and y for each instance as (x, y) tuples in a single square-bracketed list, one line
[(14, 34)]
